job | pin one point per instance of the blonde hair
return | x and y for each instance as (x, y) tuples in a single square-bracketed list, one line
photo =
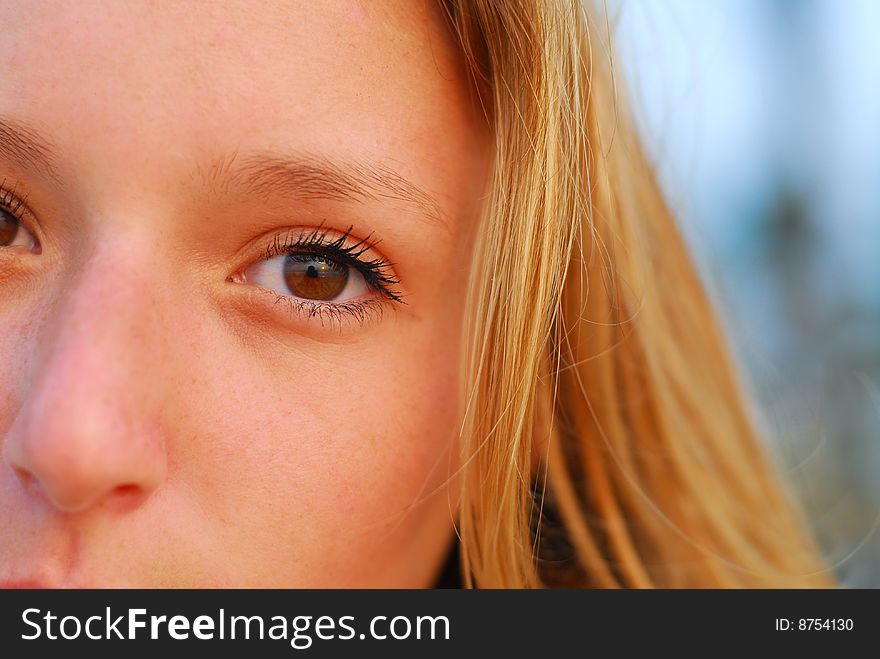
[(605, 439)]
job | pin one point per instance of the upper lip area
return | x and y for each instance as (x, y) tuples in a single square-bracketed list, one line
[(20, 584), (35, 578)]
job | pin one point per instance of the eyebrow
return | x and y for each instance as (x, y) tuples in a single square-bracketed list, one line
[(27, 148), (307, 176)]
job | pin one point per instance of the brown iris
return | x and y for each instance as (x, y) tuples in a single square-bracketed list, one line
[(314, 277), (8, 228)]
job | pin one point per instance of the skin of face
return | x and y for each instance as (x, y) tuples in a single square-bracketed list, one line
[(165, 421)]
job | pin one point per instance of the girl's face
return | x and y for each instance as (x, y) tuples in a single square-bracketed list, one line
[(234, 242)]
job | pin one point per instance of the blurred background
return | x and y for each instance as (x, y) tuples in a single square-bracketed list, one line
[(763, 120)]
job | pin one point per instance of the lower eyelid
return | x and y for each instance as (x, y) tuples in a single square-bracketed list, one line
[(332, 315), (358, 310), (323, 315)]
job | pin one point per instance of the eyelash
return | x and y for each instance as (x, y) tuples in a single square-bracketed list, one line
[(321, 242), (10, 202)]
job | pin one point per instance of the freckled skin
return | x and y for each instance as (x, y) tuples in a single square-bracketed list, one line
[(161, 423)]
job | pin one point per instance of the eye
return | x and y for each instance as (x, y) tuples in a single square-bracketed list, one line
[(324, 275), (13, 233), (308, 276)]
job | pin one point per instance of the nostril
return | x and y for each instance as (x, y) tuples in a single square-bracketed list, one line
[(75, 466), (126, 497), (126, 491), (26, 478)]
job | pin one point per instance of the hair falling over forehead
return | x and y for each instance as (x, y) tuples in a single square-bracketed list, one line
[(605, 441)]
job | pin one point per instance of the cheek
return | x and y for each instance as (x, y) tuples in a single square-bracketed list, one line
[(21, 315), (322, 455)]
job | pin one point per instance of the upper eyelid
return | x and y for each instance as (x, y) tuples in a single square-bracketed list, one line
[(283, 245), (13, 202), (321, 239), (22, 211), (318, 237)]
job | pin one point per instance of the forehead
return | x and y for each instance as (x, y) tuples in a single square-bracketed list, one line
[(379, 78)]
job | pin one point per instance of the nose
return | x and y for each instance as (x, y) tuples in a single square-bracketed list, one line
[(87, 431)]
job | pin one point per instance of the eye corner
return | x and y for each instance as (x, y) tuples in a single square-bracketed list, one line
[(21, 238)]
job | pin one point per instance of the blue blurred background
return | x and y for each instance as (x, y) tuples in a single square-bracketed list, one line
[(763, 120)]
